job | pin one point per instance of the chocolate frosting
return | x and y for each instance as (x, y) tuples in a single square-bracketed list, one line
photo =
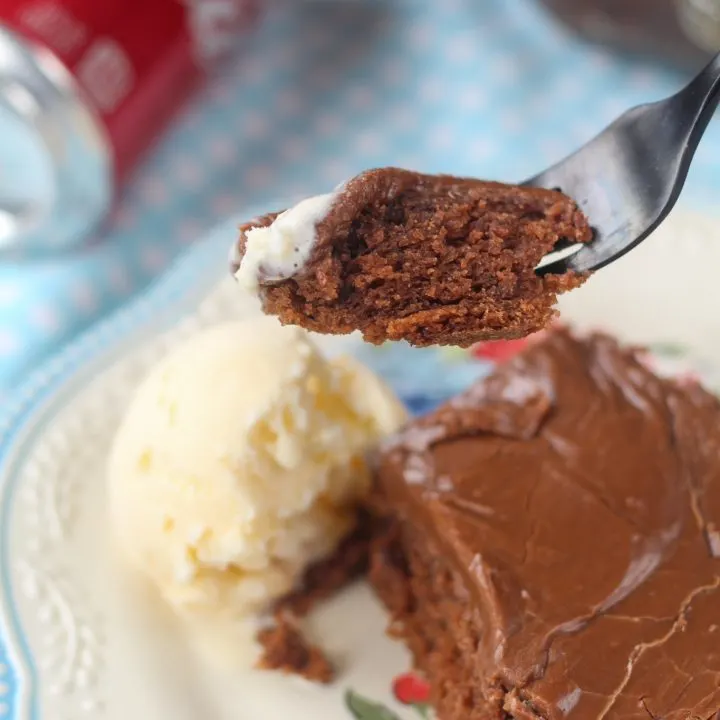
[(578, 496)]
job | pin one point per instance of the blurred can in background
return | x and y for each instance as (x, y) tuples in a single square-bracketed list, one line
[(85, 86), (684, 32)]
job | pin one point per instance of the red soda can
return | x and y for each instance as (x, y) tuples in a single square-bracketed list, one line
[(85, 86)]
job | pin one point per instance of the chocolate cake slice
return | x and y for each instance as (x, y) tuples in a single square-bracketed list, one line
[(431, 259), (552, 541)]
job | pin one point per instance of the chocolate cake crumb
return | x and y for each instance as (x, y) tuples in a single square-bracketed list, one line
[(431, 259), (285, 648), (329, 576)]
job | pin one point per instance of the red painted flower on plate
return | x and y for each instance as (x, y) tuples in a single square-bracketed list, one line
[(411, 689)]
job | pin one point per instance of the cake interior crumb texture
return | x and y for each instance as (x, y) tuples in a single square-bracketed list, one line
[(551, 541), (430, 259)]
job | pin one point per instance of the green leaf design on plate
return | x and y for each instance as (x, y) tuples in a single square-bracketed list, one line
[(668, 349), (364, 709)]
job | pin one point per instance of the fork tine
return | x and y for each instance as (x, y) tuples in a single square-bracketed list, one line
[(598, 253), (586, 259), (628, 178), (604, 249)]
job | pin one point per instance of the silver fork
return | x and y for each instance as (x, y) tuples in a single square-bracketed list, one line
[(627, 179)]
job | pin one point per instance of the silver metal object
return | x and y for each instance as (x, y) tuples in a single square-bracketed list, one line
[(628, 178), (56, 174)]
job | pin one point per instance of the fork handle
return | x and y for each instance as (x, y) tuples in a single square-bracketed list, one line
[(697, 103)]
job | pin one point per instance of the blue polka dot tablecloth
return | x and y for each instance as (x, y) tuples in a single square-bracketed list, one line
[(320, 91)]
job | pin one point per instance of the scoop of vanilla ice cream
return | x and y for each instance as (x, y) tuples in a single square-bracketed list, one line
[(239, 461)]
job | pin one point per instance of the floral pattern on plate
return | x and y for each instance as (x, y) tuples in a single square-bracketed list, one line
[(409, 689)]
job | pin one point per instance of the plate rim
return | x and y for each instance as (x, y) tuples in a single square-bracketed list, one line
[(190, 277), (155, 309)]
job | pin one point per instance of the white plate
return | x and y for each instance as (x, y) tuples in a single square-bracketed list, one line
[(80, 639)]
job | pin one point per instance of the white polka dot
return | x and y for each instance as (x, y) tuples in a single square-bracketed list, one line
[(421, 36), (369, 141), (431, 89), (440, 137), (296, 193), (612, 107), (361, 98), (472, 98), (317, 37), (539, 104), (4, 709), (353, 53), (583, 131), (9, 343), (119, 279), (598, 60), (334, 170), (84, 296), (259, 175), (568, 87), (506, 69), (124, 217), (512, 120), (4, 689), (223, 150), (188, 172), (280, 58), (3, 669), (9, 293), (254, 69), (255, 125), (224, 204), (395, 72), (462, 49), (293, 148), (324, 78), (552, 150), (328, 124), (45, 317), (191, 119), (290, 101), (403, 117), (152, 258), (154, 191), (222, 92), (481, 149), (642, 79), (188, 231)]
